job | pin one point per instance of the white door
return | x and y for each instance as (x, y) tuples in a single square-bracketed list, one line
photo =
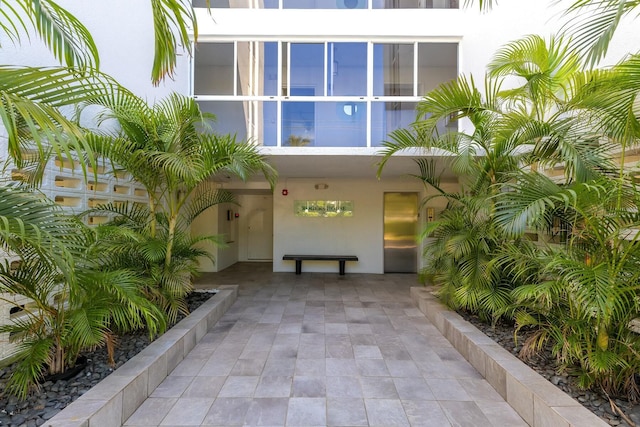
[(260, 233)]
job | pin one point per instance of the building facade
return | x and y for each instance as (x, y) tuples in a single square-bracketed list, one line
[(318, 85)]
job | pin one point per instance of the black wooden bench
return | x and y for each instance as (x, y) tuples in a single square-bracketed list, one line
[(340, 258)]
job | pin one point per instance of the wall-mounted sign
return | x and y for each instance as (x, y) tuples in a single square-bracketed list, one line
[(323, 208)]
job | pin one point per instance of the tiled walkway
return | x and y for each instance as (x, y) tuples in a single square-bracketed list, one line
[(322, 350)]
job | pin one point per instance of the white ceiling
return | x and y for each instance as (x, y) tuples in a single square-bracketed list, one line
[(316, 166)]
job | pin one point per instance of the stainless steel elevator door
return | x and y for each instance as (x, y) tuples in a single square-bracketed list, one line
[(400, 228)]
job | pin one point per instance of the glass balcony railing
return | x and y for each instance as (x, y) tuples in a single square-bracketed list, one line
[(319, 94), (329, 4)]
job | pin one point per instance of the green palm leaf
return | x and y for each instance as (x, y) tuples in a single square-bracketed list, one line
[(531, 202), (595, 24), (169, 17), (66, 37)]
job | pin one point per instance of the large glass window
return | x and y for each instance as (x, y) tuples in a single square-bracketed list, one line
[(257, 68), (326, 89), (415, 4), (389, 116), (324, 124), (240, 4), (306, 69), (214, 69), (324, 4), (393, 69), (437, 63), (347, 69), (330, 4), (254, 121)]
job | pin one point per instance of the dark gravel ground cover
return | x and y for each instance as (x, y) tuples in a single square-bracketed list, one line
[(55, 396), (544, 363)]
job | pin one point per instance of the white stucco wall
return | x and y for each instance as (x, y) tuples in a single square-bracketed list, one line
[(360, 235), (214, 221), (123, 33), (480, 34)]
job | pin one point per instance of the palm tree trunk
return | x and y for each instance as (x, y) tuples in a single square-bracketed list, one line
[(152, 210), (170, 237), (57, 360), (173, 219)]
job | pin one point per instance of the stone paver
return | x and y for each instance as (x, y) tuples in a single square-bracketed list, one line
[(322, 350)]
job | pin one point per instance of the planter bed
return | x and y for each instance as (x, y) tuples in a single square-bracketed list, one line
[(537, 401), (115, 399)]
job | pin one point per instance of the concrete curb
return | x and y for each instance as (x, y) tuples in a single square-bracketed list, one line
[(537, 401), (113, 400)]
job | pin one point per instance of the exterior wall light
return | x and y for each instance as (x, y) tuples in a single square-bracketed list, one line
[(321, 186)]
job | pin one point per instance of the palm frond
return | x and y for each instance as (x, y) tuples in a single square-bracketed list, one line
[(30, 102), (530, 202), (12, 22), (202, 199), (171, 17), (592, 24), (67, 38), (30, 223), (483, 5), (544, 66)]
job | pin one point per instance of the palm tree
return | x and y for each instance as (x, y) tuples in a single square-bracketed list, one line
[(535, 124), (581, 296), (73, 302), (170, 149), (593, 23), (30, 98)]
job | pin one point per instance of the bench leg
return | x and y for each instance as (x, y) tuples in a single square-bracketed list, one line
[(298, 266), (341, 267)]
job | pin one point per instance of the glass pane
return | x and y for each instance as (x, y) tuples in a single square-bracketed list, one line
[(241, 4), (324, 4), (284, 68), (389, 116), (415, 4), (213, 74), (347, 69), (257, 68), (298, 124), (253, 121), (324, 124), (269, 124), (393, 69), (437, 63), (307, 69)]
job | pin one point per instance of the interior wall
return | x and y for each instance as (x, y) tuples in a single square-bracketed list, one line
[(214, 221), (227, 227), (213, 80), (435, 77), (360, 235)]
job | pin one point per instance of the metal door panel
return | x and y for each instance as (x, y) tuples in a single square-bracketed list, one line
[(400, 229)]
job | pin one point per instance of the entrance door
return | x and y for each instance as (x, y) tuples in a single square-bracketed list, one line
[(400, 230), (260, 231)]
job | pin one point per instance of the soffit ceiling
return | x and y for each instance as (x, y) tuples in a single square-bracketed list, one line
[(300, 166)]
